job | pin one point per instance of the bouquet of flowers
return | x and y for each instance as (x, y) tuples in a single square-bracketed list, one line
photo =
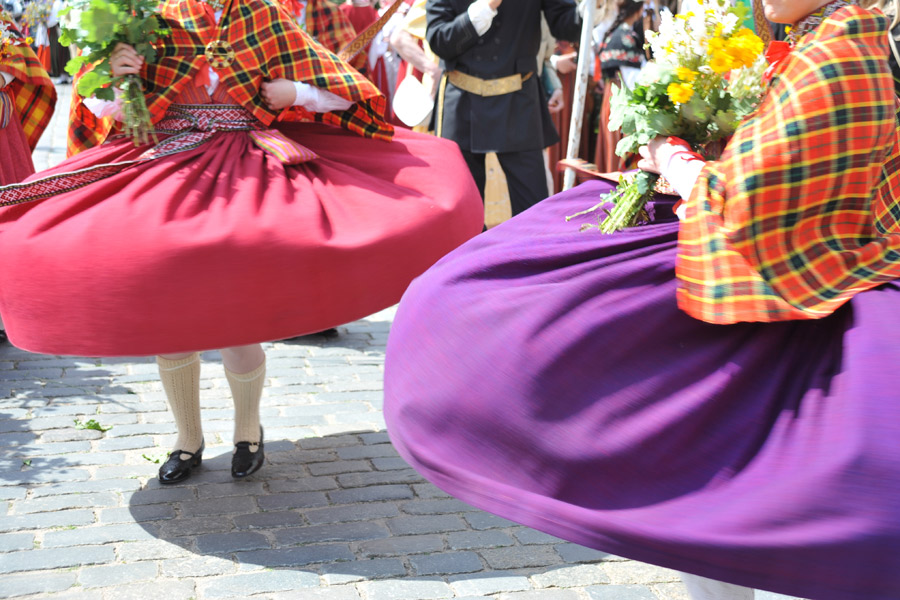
[(705, 77), (37, 13), (98, 26), (7, 38)]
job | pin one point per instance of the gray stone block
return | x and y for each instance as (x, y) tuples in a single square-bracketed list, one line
[(407, 476), (340, 532), (140, 429), (529, 536), (86, 487), (138, 513), (63, 518), (195, 526), (390, 464), (484, 584), (619, 592), (127, 443), (427, 524), (216, 491), (305, 484), (402, 546), (406, 589), (247, 584), (55, 503), (377, 493), (466, 540), (110, 575), (342, 514), (222, 506), (435, 507), (361, 570), (268, 520), (16, 541), (570, 576), (44, 475), (72, 435), (482, 520), (445, 563), (100, 535), (169, 494), (27, 584), (236, 541), (294, 500), (368, 451), (55, 558), (171, 589), (157, 549), (541, 595), (336, 467), (520, 557), (573, 553), (297, 557), (197, 566)]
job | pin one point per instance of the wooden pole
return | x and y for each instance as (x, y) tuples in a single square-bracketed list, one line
[(581, 79)]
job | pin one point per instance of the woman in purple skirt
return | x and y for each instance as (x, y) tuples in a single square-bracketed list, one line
[(717, 393)]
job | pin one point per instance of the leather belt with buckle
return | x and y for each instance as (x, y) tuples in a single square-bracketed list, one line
[(487, 87)]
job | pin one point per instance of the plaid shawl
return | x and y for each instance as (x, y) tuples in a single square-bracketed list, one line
[(801, 212), (268, 45), (32, 91)]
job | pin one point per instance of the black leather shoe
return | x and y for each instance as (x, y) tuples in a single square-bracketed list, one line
[(175, 470), (243, 461)]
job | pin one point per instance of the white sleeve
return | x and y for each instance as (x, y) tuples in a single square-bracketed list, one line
[(681, 172), (481, 15), (5, 78), (317, 100), (106, 108)]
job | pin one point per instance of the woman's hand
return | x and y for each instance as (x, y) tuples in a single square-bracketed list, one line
[(556, 102), (278, 93), (125, 60), (655, 155)]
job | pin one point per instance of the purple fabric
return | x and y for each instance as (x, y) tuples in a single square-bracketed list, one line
[(547, 376)]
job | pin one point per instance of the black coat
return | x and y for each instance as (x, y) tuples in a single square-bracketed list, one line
[(512, 122)]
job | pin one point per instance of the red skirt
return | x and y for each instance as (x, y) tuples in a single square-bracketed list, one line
[(15, 155), (223, 245)]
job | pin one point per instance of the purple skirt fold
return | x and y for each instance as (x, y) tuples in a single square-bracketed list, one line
[(547, 376)]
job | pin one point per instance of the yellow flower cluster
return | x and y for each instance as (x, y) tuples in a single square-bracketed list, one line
[(740, 50), (679, 93)]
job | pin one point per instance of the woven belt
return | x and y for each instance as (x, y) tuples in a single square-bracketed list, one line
[(487, 87)]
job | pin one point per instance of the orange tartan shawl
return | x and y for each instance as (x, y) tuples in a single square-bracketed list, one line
[(801, 212), (32, 91), (268, 45)]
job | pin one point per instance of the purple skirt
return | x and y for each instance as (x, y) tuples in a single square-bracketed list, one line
[(547, 376)]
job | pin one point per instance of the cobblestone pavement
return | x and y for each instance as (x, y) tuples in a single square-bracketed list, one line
[(335, 514)]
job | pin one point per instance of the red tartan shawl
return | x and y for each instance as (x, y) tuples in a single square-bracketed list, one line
[(32, 91), (801, 212), (268, 45)]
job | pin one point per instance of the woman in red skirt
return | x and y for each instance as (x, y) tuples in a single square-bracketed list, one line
[(277, 202), (27, 98)]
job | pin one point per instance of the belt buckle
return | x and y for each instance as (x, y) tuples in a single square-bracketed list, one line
[(490, 87)]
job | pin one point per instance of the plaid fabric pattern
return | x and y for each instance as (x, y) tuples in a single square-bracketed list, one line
[(32, 91), (801, 212), (328, 25), (267, 45), (86, 130)]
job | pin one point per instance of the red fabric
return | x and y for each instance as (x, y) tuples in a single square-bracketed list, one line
[(223, 245), (16, 164), (359, 16), (43, 54)]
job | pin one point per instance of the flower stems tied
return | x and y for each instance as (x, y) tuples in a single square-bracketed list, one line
[(136, 122)]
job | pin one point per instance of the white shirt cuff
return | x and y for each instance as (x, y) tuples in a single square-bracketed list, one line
[(316, 100), (6, 78), (481, 15), (682, 172)]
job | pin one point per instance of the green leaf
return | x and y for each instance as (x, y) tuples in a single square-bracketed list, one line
[(100, 21), (90, 82), (26, 462), (91, 424)]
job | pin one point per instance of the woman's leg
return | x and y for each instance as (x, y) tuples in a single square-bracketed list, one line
[(245, 370), (180, 375), (701, 588)]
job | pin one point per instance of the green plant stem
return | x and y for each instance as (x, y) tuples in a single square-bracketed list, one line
[(629, 201), (135, 115)]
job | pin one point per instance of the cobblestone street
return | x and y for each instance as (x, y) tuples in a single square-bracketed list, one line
[(334, 514)]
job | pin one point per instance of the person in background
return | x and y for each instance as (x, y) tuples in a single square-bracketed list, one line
[(27, 100), (715, 391), (490, 99), (268, 207)]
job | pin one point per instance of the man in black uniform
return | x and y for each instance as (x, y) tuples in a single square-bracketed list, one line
[(490, 98)]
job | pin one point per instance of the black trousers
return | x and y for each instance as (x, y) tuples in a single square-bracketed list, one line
[(524, 174)]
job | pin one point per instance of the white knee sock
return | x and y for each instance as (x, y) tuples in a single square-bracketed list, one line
[(181, 382), (246, 388), (701, 588)]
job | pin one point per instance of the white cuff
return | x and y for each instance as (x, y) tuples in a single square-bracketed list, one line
[(682, 171), (6, 78), (481, 15), (316, 100), (106, 108)]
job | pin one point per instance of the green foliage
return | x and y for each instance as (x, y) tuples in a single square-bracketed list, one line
[(90, 424), (100, 26)]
